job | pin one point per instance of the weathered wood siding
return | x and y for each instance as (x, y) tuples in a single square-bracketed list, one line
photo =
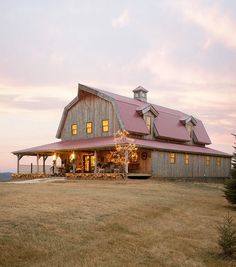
[(161, 166), (90, 108)]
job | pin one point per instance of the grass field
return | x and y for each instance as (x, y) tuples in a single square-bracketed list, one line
[(89, 223)]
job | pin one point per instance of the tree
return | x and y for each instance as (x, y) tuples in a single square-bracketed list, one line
[(234, 157), (230, 185), (227, 236), (125, 150)]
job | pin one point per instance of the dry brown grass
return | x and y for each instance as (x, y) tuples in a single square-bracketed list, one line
[(89, 223)]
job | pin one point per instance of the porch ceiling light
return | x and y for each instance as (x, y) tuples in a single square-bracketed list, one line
[(54, 157), (72, 156)]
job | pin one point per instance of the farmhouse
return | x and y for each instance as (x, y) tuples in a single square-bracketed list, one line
[(170, 143)]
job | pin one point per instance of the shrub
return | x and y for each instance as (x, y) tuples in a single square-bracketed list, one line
[(230, 190), (227, 237)]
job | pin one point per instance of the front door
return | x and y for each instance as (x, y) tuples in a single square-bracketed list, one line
[(89, 163)]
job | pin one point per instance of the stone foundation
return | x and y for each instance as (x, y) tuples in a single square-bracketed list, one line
[(95, 176), (28, 176)]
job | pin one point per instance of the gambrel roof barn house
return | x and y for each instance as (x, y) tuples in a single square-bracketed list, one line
[(170, 143)]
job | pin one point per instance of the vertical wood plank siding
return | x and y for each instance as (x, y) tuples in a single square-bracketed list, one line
[(161, 166), (93, 109)]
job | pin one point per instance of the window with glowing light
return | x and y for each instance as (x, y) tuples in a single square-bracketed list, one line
[(74, 129), (89, 127), (218, 161), (105, 126), (207, 160), (187, 159), (172, 158)]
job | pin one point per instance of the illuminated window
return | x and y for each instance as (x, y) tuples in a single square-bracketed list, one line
[(207, 161), (148, 123), (218, 161), (74, 129), (186, 159), (105, 126), (89, 127), (172, 158)]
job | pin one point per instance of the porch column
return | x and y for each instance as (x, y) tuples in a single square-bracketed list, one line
[(95, 157), (126, 162), (38, 157), (44, 160), (19, 157)]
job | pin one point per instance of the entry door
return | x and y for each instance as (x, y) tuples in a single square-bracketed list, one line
[(89, 163)]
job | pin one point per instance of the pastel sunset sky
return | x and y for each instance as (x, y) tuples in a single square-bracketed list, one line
[(183, 52)]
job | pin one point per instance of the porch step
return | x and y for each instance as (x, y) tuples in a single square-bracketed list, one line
[(139, 175)]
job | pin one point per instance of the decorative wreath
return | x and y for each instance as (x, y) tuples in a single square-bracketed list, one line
[(144, 155)]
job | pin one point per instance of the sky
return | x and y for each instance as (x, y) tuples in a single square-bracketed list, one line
[(183, 52)]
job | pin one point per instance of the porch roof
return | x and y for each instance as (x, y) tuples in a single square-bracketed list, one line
[(108, 142)]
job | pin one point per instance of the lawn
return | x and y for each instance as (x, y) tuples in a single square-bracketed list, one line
[(101, 223)]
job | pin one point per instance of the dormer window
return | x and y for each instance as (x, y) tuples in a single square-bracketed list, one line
[(148, 123), (189, 129)]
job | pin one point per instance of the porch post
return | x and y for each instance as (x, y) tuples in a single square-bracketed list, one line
[(19, 157), (126, 162), (95, 156), (44, 160), (38, 163)]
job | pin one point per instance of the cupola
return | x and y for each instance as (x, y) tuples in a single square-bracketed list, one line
[(140, 93)]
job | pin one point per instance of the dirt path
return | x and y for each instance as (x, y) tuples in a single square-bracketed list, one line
[(37, 181)]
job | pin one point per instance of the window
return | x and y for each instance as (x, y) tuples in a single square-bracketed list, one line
[(148, 123), (218, 161), (189, 129), (105, 126), (186, 159), (74, 129), (207, 161), (172, 158), (89, 127)]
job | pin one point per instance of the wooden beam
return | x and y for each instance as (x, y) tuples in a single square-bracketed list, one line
[(95, 156), (44, 160), (126, 162), (38, 157), (19, 157)]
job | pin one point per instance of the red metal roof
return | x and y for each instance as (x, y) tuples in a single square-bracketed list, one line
[(108, 142), (169, 126), (133, 122), (168, 122), (201, 134)]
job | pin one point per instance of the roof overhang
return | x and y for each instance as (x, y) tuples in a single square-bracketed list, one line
[(105, 143)]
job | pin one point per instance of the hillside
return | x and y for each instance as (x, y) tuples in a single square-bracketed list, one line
[(90, 223), (5, 176)]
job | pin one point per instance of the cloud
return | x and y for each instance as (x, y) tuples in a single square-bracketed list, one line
[(213, 20), (122, 20), (11, 103)]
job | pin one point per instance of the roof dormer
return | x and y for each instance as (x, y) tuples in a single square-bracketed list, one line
[(140, 93)]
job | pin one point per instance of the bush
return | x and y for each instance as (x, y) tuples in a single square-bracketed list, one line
[(227, 237)]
